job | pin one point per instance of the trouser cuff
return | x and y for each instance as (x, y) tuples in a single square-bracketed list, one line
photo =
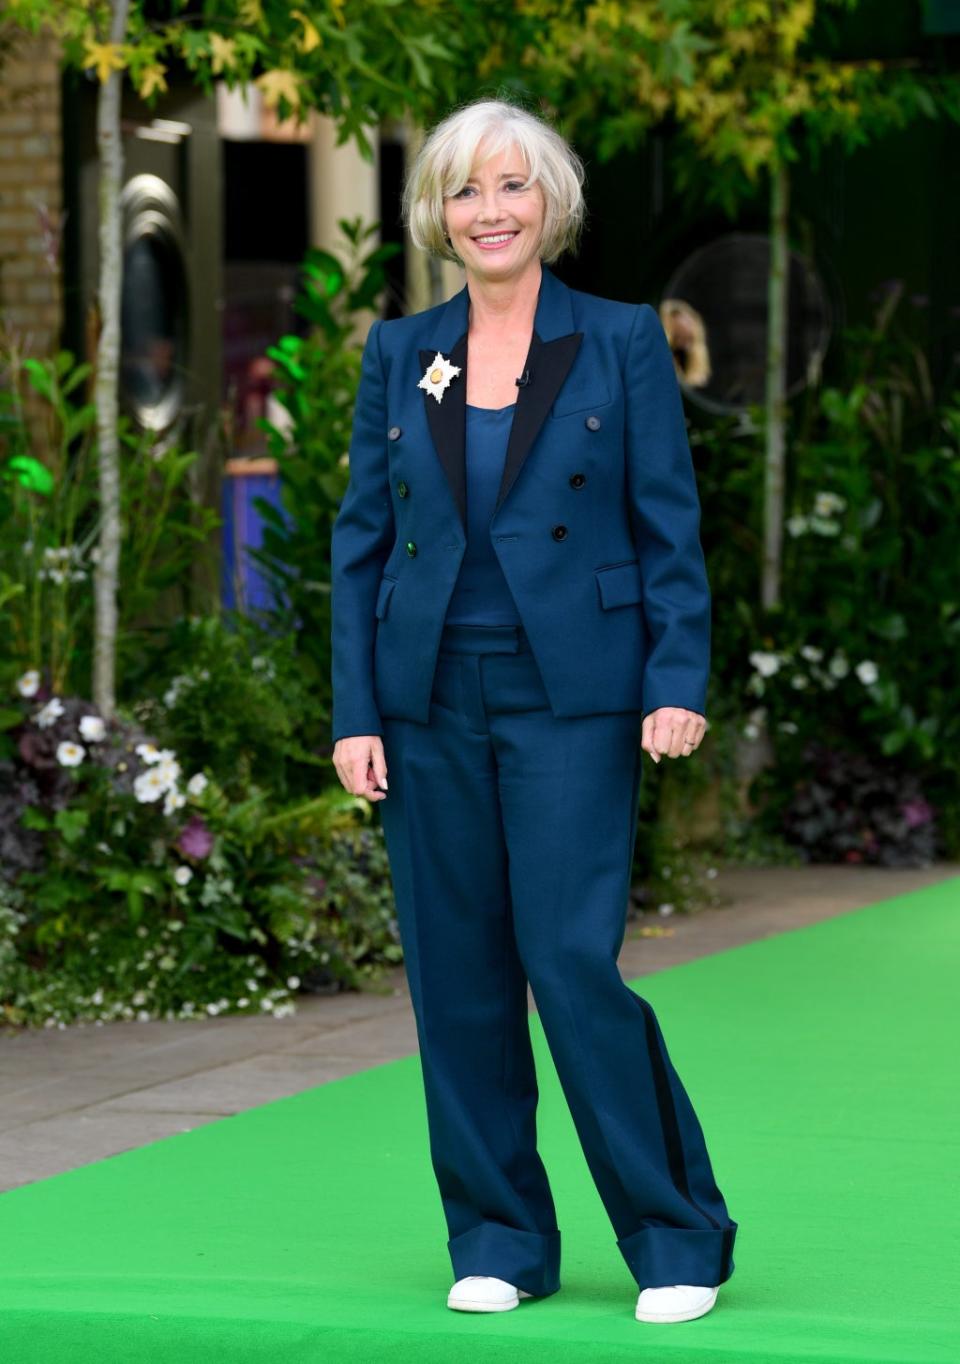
[(658, 1256), (528, 1259)]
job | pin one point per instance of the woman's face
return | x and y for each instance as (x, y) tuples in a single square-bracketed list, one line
[(494, 204)]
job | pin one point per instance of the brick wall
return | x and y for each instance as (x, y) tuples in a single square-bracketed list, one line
[(30, 173)]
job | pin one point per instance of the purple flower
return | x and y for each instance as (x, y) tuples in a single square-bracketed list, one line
[(916, 812), (195, 839)]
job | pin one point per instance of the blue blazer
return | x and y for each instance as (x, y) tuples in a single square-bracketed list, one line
[(596, 526)]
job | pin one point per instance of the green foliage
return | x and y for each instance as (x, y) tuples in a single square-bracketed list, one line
[(745, 85), (864, 653), (382, 59), (49, 525), (232, 697), (318, 376), (129, 889)]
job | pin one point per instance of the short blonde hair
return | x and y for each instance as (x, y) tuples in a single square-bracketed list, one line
[(443, 163)]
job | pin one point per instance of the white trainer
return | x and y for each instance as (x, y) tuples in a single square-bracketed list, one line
[(678, 1302), (484, 1293)]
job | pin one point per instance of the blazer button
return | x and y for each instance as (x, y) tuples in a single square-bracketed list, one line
[(577, 480), (402, 488), (593, 423), (559, 532), (411, 549), (394, 433)]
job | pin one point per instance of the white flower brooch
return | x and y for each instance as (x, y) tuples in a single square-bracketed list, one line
[(438, 375)]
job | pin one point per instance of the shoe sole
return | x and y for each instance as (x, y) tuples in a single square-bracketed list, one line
[(658, 1317), (473, 1305)]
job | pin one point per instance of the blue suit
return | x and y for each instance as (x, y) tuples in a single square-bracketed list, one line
[(514, 764), (596, 527)]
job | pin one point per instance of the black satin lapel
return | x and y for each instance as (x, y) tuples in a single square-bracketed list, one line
[(549, 364), (447, 420)]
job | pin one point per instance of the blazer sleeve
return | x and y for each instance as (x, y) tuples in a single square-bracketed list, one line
[(665, 515), (361, 540)]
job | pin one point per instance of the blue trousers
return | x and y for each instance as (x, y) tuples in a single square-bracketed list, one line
[(510, 837)]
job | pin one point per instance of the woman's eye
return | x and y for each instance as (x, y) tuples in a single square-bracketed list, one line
[(511, 184)]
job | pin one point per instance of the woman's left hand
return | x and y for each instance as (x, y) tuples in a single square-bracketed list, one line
[(672, 732)]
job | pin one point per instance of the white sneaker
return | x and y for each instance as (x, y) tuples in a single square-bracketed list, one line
[(484, 1293), (678, 1302)]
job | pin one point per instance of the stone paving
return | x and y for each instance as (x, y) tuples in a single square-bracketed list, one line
[(76, 1095)]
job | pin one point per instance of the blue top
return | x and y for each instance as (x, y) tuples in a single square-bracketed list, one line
[(481, 595)]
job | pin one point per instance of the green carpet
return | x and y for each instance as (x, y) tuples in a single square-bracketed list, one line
[(822, 1063)]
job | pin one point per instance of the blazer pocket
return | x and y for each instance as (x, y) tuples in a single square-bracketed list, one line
[(620, 584), (383, 596), (581, 400)]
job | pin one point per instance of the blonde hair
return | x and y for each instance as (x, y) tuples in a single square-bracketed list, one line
[(444, 161)]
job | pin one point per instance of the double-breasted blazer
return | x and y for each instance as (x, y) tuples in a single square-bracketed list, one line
[(596, 525)]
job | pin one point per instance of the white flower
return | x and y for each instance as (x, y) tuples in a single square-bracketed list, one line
[(69, 754), (29, 683), (173, 800), (838, 665), (799, 681), (182, 876), (823, 526), (172, 695), (788, 726), (825, 504), (797, 525), (149, 785), (765, 664), (197, 784), (293, 982), (50, 713), (168, 770), (665, 910), (756, 721), (867, 672), (148, 752), (812, 654), (92, 728)]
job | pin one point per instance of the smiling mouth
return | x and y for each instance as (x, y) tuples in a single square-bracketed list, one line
[(491, 240)]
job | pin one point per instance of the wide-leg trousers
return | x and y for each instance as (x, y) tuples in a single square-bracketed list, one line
[(510, 838)]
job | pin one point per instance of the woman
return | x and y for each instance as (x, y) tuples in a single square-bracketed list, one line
[(519, 607)]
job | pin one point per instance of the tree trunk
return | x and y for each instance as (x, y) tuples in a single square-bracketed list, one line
[(776, 384), (110, 150)]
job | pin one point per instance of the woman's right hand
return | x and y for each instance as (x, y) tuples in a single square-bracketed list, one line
[(360, 764)]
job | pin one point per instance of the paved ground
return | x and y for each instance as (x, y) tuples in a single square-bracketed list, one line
[(72, 1096)]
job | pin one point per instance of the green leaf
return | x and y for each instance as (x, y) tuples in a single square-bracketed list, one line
[(72, 824), (39, 377), (30, 473)]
